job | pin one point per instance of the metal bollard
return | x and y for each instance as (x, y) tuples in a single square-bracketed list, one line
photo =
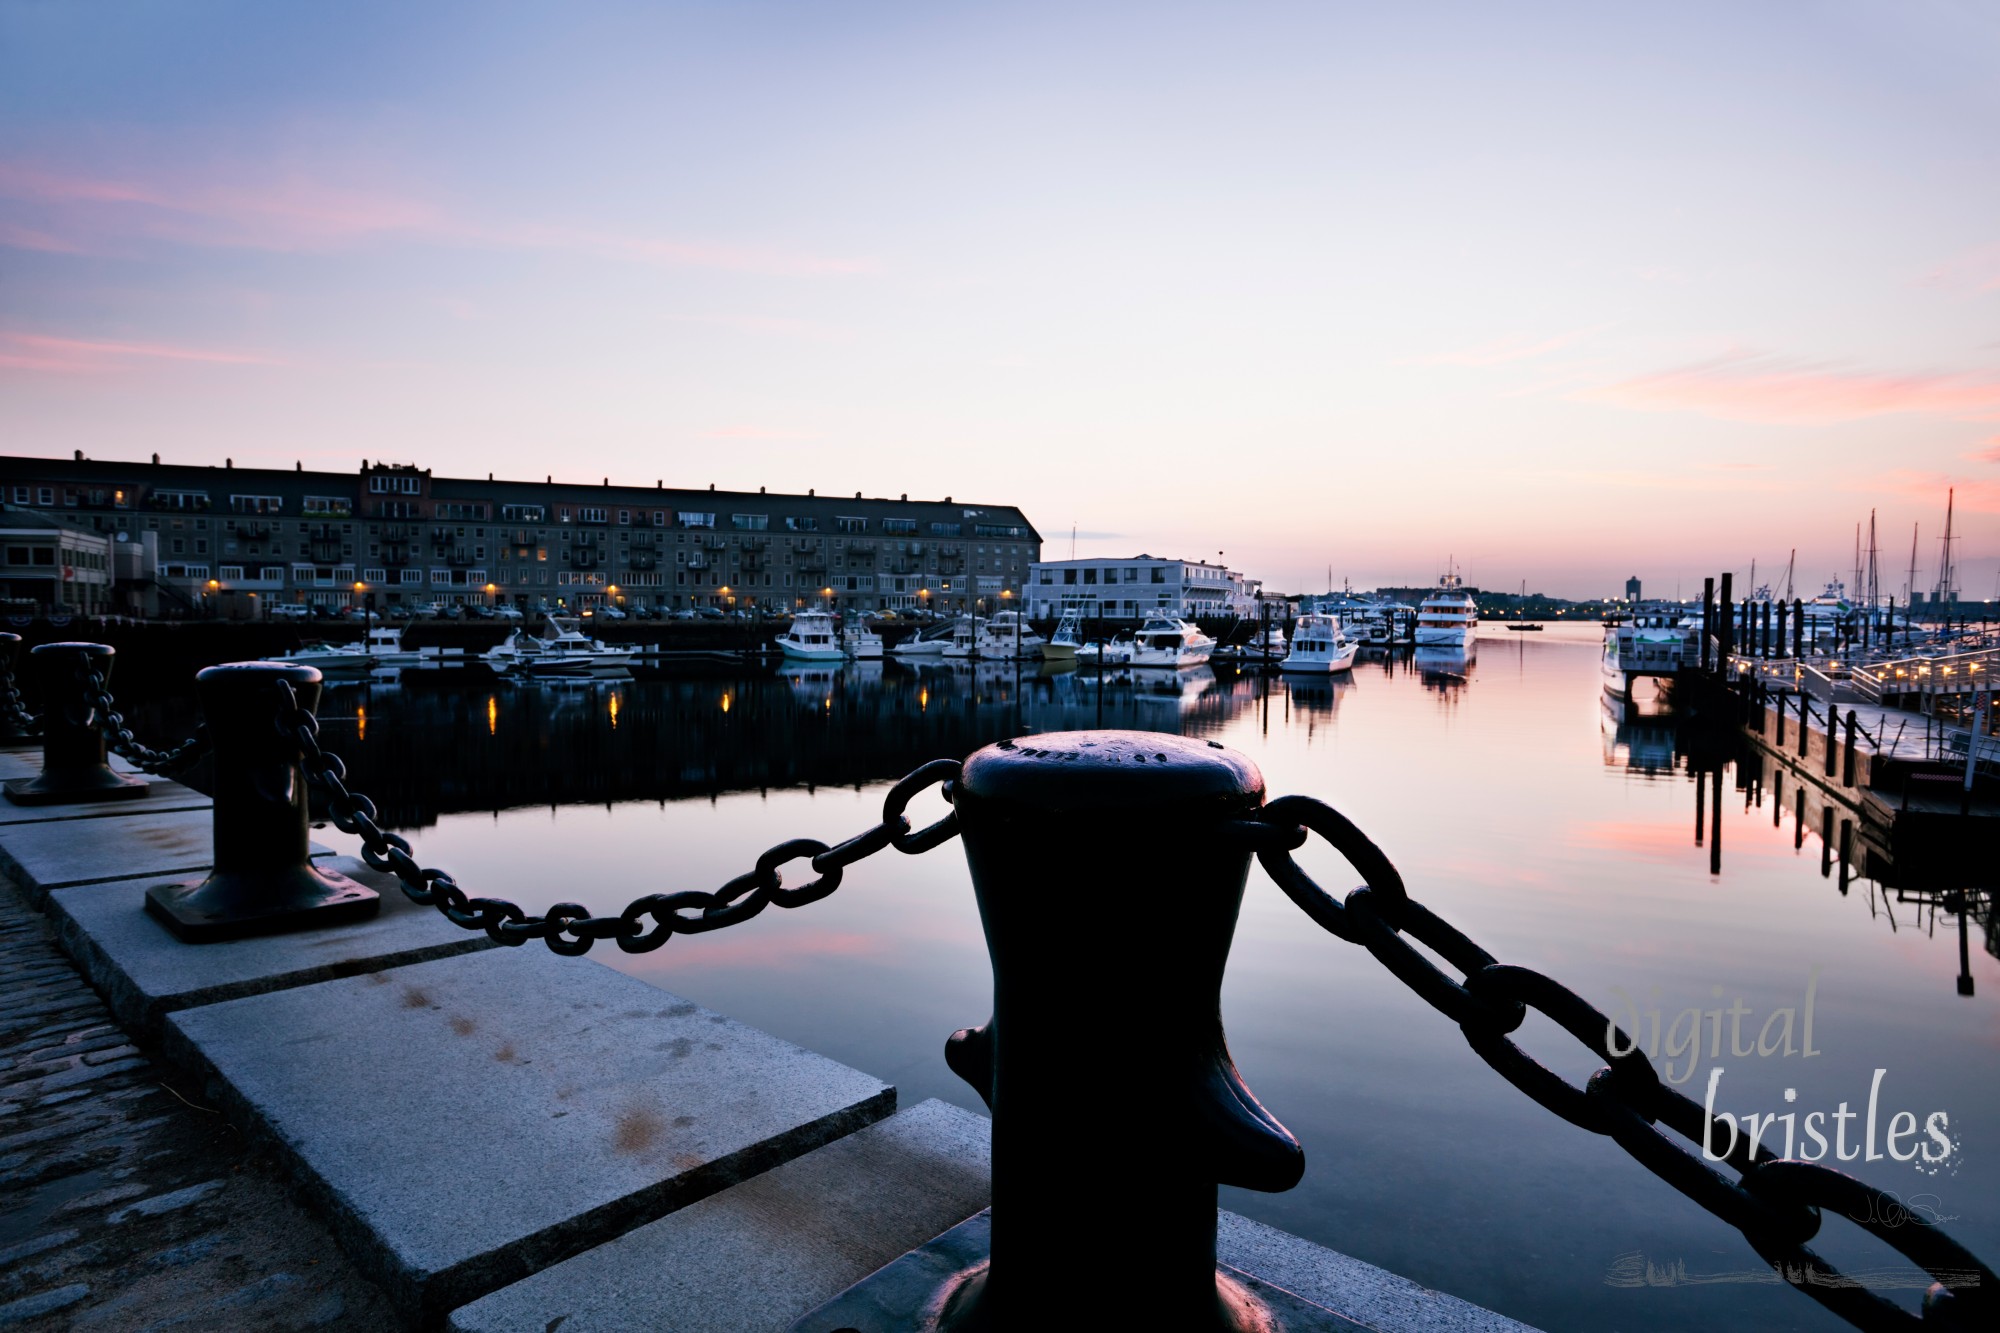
[(11, 730), (1116, 1107), (73, 745), (263, 881)]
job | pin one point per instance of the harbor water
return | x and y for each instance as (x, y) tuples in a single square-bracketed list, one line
[(1558, 833)]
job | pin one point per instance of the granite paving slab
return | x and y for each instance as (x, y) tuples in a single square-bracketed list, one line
[(465, 1122), (145, 973), (760, 1254), (40, 858), (160, 795)]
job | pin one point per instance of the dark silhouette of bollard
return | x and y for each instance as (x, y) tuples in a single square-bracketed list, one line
[(11, 729), (73, 745), (1112, 1090), (263, 881)]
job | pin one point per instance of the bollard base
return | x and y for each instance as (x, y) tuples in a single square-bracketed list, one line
[(69, 788), (936, 1288), (234, 905)]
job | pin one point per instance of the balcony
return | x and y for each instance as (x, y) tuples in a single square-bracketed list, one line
[(252, 532), (642, 562)]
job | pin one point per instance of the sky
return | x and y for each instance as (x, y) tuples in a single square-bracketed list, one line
[(1559, 293)]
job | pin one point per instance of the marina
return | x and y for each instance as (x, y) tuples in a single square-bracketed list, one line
[(1729, 873)]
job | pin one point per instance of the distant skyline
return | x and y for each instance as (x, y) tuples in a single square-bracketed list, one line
[(1565, 293)]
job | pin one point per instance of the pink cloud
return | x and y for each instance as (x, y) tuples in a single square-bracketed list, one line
[(1977, 270), (1514, 347), (37, 351), (294, 212), (1990, 454), (1980, 497), (1749, 386)]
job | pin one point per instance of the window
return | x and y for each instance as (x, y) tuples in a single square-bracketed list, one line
[(374, 576), (998, 530), (899, 526), (947, 529), (440, 578), (590, 515), (625, 517), (1069, 576), (327, 506), (691, 520), (1159, 575), (1090, 576), (175, 499), (1132, 574), (410, 576), (802, 524), (458, 512), (256, 504), (750, 522), (843, 524), (522, 513), (21, 494), (46, 495), (380, 484)]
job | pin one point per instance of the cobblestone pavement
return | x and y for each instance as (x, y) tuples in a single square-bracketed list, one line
[(124, 1204)]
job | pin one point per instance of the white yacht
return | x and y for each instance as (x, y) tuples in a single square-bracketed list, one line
[(1165, 640), (1318, 645), (567, 652), (1063, 644), (1007, 638), (1448, 617), (811, 638), (861, 643), (964, 643), (383, 647), (930, 641)]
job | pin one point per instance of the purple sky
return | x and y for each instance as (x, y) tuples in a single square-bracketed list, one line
[(1567, 293)]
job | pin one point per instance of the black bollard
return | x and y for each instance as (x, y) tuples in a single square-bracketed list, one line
[(73, 745), (1847, 758), (1112, 1090), (1722, 626), (263, 881), (1779, 640), (1707, 617), (12, 732), (1798, 628)]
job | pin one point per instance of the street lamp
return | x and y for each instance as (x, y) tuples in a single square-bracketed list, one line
[(215, 606)]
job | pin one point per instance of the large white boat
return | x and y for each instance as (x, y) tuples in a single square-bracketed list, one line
[(383, 647), (1448, 617), (1006, 637), (567, 652), (1166, 640), (1319, 645), (861, 643), (930, 641), (811, 638)]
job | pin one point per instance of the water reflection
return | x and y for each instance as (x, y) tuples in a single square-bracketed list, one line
[(1627, 852)]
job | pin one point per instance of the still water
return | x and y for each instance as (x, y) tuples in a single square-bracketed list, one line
[(1557, 835)]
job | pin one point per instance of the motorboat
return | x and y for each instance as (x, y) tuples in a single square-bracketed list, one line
[(1448, 617), (964, 644), (861, 643), (1006, 637), (811, 638), (1165, 640), (1068, 638), (931, 641), (1319, 645), (383, 647), (566, 653)]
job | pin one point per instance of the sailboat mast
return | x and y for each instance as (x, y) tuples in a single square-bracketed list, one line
[(1910, 592), (1788, 572), (1944, 592), (1874, 565)]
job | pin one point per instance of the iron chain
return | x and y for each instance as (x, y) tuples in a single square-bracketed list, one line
[(97, 696), (1776, 1204), (647, 922), (14, 709)]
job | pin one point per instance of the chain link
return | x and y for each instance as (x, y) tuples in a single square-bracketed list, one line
[(13, 708), (1777, 1204), (119, 736), (647, 922)]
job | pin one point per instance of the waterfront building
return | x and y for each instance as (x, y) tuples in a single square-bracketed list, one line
[(1632, 589), (234, 541), (1133, 587), (51, 567)]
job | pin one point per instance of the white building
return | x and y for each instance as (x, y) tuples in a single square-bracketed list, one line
[(1130, 588)]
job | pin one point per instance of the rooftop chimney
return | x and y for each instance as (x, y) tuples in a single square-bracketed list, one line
[(79, 455)]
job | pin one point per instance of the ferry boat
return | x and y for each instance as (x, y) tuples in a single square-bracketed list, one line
[(1448, 617), (861, 643), (1006, 637), (1318, 645), (383, 647), (567, 652), (1651, 643), (811, 638), (1165, 640)]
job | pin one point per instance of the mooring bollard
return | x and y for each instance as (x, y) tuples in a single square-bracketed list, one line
[(1116, 1108), (73, 741), (14, 721), (263, 881)]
